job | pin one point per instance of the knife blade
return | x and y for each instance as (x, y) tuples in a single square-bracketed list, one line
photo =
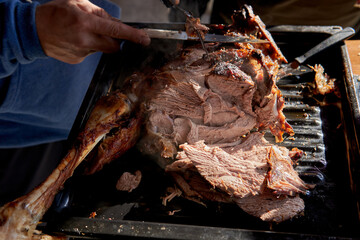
[(182, 35), (296, 67)]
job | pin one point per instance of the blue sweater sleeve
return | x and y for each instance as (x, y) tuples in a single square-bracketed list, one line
[(39, 96), (19, 39)]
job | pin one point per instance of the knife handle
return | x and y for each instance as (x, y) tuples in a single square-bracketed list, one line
[(333, 39), (171, 4), (168, 3)]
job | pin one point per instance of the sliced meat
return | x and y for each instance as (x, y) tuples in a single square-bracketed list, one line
[(128, 181), (272, 208), (233, 175), (258, 176), (205, 107), (187, 131), (194, 186), (282, 177), (233, 85), (218, 112), (181, 99)]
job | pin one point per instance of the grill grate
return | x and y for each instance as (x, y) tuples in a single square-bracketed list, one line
[(306, 122)]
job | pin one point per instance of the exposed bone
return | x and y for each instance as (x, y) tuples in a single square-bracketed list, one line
[(19, 218)]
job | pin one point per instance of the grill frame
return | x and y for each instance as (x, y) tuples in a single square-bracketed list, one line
[(314, 167)]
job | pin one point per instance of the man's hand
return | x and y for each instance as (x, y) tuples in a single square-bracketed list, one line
[(70, 30)]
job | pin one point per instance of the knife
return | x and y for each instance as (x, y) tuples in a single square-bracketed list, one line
[(182, 35), (296, 67)]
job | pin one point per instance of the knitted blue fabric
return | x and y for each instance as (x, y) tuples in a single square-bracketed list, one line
[(39, 96)]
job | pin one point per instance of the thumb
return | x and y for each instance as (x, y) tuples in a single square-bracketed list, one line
[(116, 29)]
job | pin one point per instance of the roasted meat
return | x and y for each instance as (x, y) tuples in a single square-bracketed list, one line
[(272, 208), (251, 171), (194, 28), (323, 83), (203, 120), (128, 181), (217, 100), (214, 109), (19, 218), (115, 143), (206, 106)]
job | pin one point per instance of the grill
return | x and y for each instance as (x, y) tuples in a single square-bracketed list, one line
[(326, 129)]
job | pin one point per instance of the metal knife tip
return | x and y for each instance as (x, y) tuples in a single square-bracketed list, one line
[(259, 41)]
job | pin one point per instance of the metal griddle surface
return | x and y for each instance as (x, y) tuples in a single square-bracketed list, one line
[(323, 129)]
